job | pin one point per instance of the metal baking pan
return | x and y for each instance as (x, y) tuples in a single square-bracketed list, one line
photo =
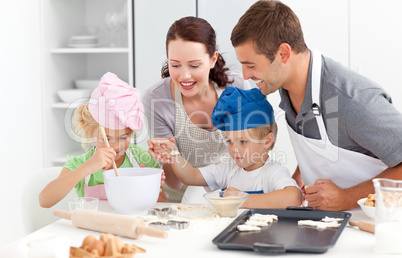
[(283, 235)]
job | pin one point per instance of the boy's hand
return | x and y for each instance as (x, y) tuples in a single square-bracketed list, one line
[(102, 159), (157, 150), (232, 189)]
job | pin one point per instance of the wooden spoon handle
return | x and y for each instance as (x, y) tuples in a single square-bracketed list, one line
[(108, 145), (153, 232)]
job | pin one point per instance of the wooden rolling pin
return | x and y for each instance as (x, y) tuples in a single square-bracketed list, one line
[(363, 225), (110, 223)]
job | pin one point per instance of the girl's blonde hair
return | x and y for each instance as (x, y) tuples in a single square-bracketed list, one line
[(84, 125)]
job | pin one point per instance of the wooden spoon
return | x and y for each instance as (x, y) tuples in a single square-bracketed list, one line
[(108, 145)]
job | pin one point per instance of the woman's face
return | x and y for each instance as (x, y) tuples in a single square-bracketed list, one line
[(189, 66)]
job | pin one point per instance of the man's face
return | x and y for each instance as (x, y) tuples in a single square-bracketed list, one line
[(269, 76)]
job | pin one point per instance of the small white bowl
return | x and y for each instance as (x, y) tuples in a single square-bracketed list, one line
[(71, 95), (86, 84), (136, 189), (368, 210)]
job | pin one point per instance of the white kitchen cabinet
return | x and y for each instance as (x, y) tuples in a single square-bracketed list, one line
[(62, 65), (325, 26), (152, 19), (375, 43)]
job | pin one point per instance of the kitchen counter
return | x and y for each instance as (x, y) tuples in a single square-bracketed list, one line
[(197, 239)]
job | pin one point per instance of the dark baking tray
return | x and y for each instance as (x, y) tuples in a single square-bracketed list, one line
[(283, 235)]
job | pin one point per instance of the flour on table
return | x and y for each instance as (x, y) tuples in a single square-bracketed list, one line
[(200, 211)]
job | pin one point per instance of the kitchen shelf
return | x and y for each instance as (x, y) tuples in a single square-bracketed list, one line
[(63, 64), (64, 105), (104, 50)]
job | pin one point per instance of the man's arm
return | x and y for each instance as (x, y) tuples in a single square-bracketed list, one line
[(325, 195)]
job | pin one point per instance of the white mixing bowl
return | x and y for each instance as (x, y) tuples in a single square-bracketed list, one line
[(136, 189)]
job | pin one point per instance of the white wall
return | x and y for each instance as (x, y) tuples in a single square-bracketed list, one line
[(20, 108)]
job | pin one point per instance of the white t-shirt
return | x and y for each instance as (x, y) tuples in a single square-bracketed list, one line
[(268, 178)]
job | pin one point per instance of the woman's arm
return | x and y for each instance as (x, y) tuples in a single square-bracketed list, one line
[(171, 179), (181, 167)]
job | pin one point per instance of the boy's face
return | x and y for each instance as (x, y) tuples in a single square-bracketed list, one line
[(249, 152)]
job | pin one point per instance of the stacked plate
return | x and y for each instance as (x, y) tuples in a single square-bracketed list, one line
[(83, 41)]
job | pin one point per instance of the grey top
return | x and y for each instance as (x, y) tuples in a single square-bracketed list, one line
[(358, 114), (160, 107)]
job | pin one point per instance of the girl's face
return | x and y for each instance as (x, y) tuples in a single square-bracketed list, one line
[(248, 152), (119, 140), (189, 66)]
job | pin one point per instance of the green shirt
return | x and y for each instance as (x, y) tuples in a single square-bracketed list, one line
[(140, 154)]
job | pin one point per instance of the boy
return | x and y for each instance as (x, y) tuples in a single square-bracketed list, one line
[(249, 122)]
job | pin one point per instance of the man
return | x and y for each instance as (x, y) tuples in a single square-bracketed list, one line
[(343, 127)]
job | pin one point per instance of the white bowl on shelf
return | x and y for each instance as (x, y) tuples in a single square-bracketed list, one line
[(86, 84), (368, 210), (71, 95)]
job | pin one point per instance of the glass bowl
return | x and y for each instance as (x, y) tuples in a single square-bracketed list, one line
[(89, 203), (226, 203)]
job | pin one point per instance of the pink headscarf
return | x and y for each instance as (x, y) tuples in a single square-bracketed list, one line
[(115, 105)]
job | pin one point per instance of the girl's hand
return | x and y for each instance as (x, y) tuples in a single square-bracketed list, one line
[(157, 151), (102, 159)]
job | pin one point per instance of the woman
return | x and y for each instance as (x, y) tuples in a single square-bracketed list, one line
[(181, 104)]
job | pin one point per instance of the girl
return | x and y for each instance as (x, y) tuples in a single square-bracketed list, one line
[(115, 106), (181, 104)]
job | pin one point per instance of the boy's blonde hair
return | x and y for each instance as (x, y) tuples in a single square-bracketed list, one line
[(260, 132), (84, 125)]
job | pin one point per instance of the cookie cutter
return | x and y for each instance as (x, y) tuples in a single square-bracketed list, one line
[(159, 225), (170, 224), (161, 213), (178, 224)]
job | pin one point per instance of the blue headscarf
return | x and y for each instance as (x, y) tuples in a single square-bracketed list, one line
[(239, 109)]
